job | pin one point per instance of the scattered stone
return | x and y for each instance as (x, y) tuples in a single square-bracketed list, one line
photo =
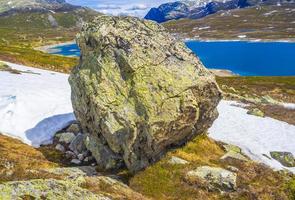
[(233, 152), (234, 155), (67, 137), (81, 157), (76, 161), (232, 168), (74, 128), (256, 112), (230, 147), (217, 178), (60, 147), (147, 91), (268, 100), (78, 144), (177, 161), (285, 158), (70, 155)]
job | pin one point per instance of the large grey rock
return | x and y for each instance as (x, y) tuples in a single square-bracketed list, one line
[(138, 91), (217, 178)]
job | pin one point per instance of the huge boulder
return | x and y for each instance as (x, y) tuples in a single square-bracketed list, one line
[(138, 91)]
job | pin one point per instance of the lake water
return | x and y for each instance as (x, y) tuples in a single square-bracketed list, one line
[(66, 50), (243, 58)]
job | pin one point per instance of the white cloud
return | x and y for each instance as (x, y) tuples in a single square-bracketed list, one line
[(137, 8)]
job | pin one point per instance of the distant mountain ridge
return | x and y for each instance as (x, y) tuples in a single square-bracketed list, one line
[(195, 9), (8, 7)]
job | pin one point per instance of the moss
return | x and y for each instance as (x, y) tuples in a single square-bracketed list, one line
[(166, 181), (291, 188)]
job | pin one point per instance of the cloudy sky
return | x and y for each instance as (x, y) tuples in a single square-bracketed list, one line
[(121, 7)]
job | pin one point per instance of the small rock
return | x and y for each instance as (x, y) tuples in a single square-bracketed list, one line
[(74, 128), (285, 158), (76, 161), (268, 100), (256, 112), (177, 161), (230, 147), (59, 147), (234, 155), (86, 159), (232, 168), (70, 155), (217, 178), (78, 145), (234, 152), (80, 157), (67, 137)]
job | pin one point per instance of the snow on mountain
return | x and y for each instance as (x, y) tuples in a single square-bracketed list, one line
[(195, 9), (34, 105)]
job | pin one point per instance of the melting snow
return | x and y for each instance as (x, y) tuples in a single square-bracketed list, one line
[(34, 106), (254, 135)]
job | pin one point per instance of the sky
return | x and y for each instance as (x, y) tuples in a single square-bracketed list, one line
[(121, 7)]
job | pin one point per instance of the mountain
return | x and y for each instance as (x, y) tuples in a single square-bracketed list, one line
[(8, 7), (197, 9), (42, 14), (266, 22)]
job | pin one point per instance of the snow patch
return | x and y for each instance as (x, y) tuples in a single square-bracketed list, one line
[(34, 105), (256, 136)]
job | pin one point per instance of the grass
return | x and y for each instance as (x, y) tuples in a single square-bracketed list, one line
[(21, 33), (279, 88), (18, 161), (166, 181)]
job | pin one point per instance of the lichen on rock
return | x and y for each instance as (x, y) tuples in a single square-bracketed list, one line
[(138, 91)]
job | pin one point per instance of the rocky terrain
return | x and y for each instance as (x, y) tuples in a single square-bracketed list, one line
[(160, 126), (199, 9), (254, 23), (131, 96)]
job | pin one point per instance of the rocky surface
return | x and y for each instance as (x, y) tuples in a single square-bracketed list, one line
[(233, 152), (285, 158), (177, 161), (256, 112), (138, 91), (217, 178), (72, 143), (69, 183)]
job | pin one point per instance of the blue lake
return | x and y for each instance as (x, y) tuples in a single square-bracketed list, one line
[(66, 50), (243, 58)]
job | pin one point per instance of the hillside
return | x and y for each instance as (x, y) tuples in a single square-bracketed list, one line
[(8, 7), (24, 30), (198, 9), (261, 22)]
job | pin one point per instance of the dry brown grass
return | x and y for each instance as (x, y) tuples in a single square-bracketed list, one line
[(166, 181), (19, 161)]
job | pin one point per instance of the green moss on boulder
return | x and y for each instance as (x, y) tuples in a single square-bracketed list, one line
[(138, 91)]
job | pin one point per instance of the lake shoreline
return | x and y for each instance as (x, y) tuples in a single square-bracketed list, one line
[(51, 48), (216, 68)]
